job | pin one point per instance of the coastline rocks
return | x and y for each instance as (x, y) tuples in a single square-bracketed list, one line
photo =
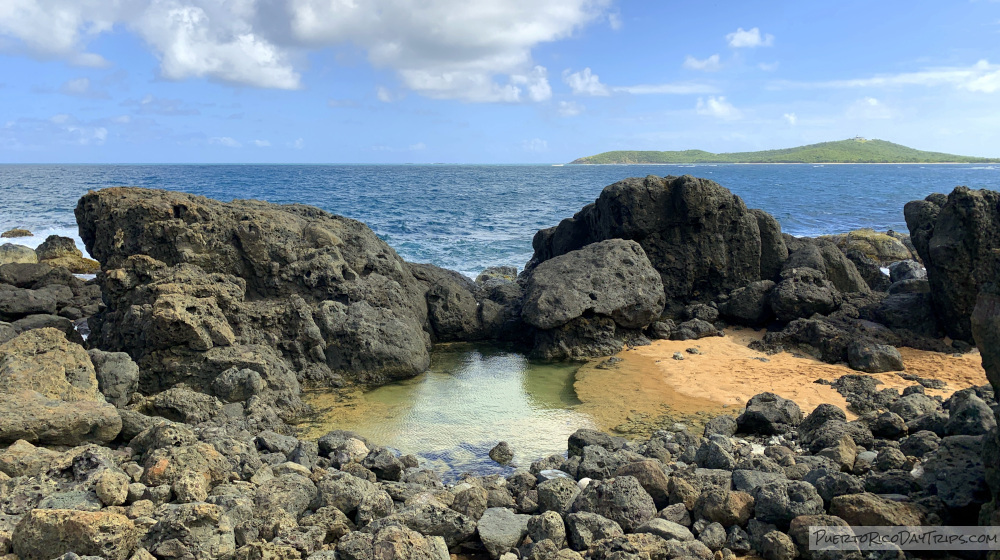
[(59, 251), (769, 414), (586, 301), (956, 239), (191, 281), (802, 293), (48, 533), (873, 358), (700, 237), (15, 232), (43, 360), (33, 417), (11, 253), (880, 247)]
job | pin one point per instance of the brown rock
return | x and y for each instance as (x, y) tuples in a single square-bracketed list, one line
[(170, 464), (33, 417), (48, 533), (723, 506), (869, 509), (43, 360)]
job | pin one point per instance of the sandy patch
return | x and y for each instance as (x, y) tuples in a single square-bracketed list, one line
[(650, 382)]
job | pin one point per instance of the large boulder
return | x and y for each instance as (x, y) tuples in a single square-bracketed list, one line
[(49, 533), (609, 284), (621, 499), (957, 240), (802, 293), (11, 253), (880, 247), (43, 360), (195, 287), (33, 417), (700, 237)]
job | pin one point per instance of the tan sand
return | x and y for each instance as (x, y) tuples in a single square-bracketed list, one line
[(649, 382)]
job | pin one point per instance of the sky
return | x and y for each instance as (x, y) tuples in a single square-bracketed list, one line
[(498, 81)]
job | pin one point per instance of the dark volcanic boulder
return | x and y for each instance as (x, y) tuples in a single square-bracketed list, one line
[(700, 237), (802, 293), (957, 242), (750, 305), (580, 300), (195, 287), (769, 414), (870, 357), (612, 278)]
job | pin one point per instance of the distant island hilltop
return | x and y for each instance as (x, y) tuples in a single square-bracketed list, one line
[(852, 150)]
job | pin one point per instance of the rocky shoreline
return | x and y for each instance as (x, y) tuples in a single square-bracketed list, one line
[(166, 433)]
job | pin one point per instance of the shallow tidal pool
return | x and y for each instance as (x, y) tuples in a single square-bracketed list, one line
[(472, 397)]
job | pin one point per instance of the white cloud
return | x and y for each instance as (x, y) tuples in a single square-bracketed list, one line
[(384, 95), (261, 143), (768, 66), (791, 118), (710, 64), (151, 105), (60, 119), (615, 21), (569, 108), (417, 147), (677, 88), (472, 51), (225, 141), (298, 144), (869, 108), (585, 83), (742, 39), (535, 145), (981, 77), (80, 87), (718, 107)]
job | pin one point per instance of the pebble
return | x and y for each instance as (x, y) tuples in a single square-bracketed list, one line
[(678, 356)]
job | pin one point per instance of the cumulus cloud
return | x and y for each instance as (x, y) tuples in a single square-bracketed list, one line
[(61, 129), (615, 21), (569, 108), (791, 118), (768, 66), (261, 143), (743, 39), (472, 51), (718, 107), (585, 82), (710, 64)]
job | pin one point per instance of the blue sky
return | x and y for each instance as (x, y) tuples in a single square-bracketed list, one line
[(505, 81)]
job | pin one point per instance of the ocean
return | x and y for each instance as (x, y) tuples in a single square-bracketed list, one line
[(469, 217)]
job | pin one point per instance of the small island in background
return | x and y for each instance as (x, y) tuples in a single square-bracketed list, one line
[(852, 150)]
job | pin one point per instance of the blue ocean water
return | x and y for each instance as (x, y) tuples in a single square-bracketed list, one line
[(468, 217)]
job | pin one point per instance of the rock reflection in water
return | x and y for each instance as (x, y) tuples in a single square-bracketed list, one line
[(471, 397)]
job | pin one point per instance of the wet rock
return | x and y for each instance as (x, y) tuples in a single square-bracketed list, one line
[(502, 453), (769, 414), (15, 232), (47, 533), (621, 499)]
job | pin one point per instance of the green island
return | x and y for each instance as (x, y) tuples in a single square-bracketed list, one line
[(852, 150)]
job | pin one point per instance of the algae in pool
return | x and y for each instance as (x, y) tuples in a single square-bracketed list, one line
[(472, 397)]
